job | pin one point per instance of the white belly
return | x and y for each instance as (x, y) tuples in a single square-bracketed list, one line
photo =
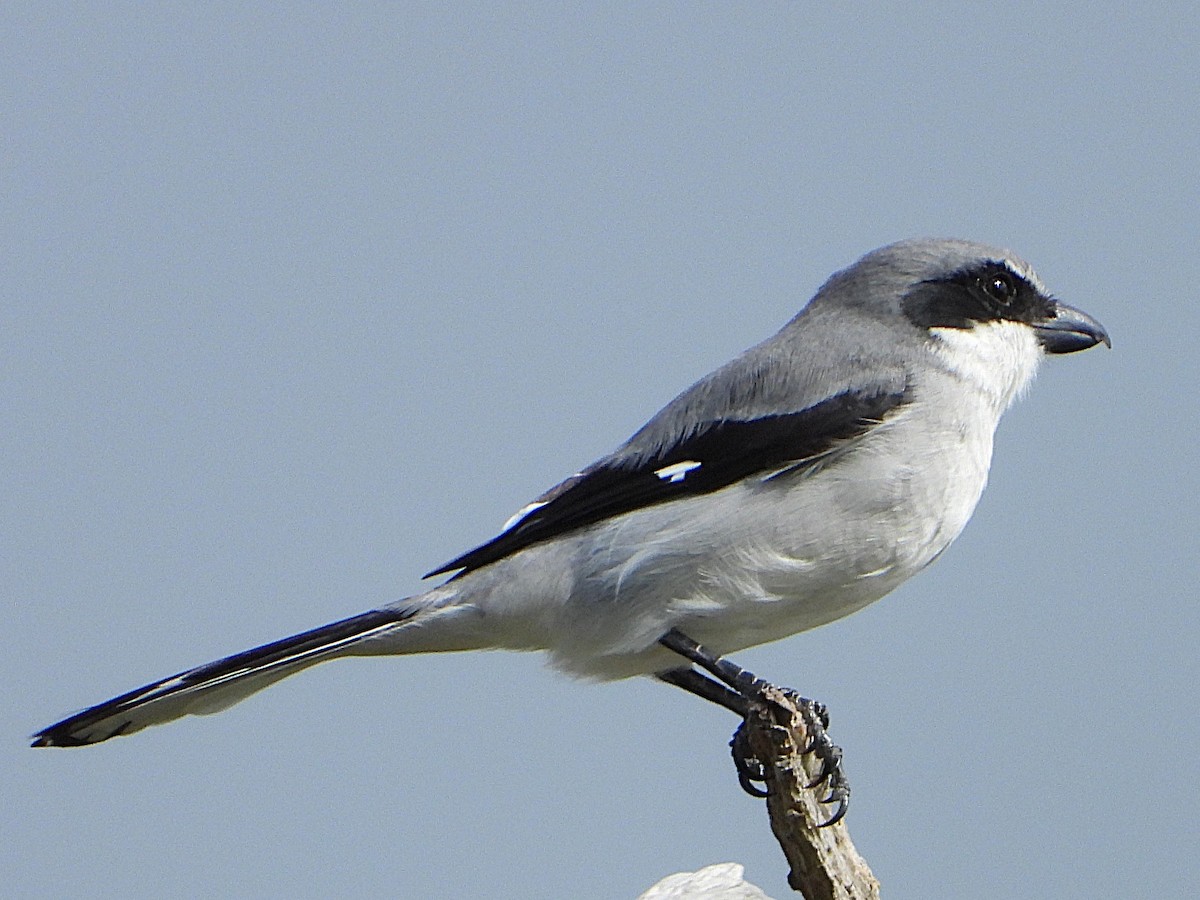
[(754, 562)]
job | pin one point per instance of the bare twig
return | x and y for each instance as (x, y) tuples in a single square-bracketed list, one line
[(824, 863)]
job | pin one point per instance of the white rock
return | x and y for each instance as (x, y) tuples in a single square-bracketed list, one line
[(723, 881)]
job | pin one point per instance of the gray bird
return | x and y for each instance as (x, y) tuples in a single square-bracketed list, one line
[(796, 484)]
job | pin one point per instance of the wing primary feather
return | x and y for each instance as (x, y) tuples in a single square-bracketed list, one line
[(710, 457)]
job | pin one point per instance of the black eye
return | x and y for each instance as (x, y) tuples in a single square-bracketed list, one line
[(1000, 286)]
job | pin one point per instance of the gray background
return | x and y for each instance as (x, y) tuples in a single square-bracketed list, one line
[(298, 304)]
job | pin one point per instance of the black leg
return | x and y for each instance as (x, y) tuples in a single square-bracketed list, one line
[(744, 687), (702, 686), (731, 673)]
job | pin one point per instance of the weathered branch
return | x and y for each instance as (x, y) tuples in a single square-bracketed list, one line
[(824, 863)]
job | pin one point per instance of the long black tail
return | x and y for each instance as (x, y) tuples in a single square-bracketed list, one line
[(216, 685)]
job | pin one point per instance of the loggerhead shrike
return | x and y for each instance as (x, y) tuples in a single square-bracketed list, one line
[(796, 484)]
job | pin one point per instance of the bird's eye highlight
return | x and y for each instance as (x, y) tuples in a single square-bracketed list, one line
[(1000, 286)]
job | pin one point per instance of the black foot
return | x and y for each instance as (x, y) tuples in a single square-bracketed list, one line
[(816, 720), (749, 767), (751, 771), (734, 688)]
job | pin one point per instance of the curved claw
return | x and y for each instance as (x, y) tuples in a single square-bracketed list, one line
[(831, 767), (751, 788), (839, 813), (749, 769)]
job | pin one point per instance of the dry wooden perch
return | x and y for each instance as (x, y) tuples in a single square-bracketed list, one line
[(824, 863)]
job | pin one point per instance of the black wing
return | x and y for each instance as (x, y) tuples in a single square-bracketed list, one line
[(715, 456)]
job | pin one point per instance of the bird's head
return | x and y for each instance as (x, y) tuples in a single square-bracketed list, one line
[(982, 310)]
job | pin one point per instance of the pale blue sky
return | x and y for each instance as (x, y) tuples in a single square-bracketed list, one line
[(300, 304)]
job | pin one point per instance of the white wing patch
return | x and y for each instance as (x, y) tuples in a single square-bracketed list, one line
[(522, 513), (676, 472), (672, 474)]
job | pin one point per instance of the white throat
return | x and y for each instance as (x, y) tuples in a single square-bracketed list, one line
[(998, 359)]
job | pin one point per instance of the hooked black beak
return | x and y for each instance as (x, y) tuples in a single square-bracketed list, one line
[(1068, 329)]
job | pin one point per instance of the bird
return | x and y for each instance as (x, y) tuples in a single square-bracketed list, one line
[(799, 482)]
